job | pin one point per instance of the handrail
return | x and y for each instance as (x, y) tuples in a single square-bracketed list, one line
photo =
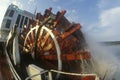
[(61, 72), (68, 73), (36, 74), (15, 74), (75, 74)]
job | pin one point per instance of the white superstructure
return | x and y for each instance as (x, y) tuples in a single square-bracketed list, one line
[(13, 16)]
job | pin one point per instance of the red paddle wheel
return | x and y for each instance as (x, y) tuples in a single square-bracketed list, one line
[(53, 42)]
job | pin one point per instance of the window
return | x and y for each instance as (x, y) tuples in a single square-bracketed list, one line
[(26, 20), (21, 23), (11, 13), (18, 20), (8, 22)]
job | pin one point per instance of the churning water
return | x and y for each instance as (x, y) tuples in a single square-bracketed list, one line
[(105, 61)]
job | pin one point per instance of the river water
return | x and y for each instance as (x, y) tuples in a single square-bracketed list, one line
[(115, 49), (106, 60)]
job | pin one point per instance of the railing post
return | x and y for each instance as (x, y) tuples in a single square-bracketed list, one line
[(50, 75), (96, 77)]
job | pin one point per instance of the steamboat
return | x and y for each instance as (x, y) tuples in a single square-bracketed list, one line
[(44, 47)]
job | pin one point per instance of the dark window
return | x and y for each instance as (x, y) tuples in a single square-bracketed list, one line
[(30, 22), (8, 22), (21, 23), (18, 20), (11, 13), (26, 20)]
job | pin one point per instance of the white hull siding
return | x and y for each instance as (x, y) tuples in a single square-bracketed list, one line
[(13, 16)]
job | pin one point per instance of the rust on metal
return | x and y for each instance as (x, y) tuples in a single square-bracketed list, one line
[(68, 57)]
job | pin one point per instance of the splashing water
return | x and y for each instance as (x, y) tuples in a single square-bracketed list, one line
[(105, 63)]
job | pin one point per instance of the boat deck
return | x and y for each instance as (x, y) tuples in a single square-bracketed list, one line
[(5, 73)]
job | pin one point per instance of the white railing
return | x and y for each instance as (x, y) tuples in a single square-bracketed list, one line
[(39, 74), (73, 74), (61, 72)]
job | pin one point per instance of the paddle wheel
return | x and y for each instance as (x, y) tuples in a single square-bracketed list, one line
[(52, 43)]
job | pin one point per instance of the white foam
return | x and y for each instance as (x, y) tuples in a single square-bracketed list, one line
[(105, 63)]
